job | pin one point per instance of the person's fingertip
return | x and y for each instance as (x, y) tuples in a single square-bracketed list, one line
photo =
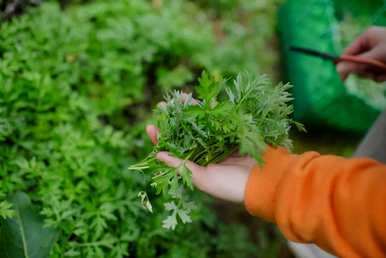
[(168, 159), (172, 161), (149, 128), (151, 131), (162, 155)]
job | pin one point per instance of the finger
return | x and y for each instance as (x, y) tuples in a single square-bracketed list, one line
[(365, 42), (198, 174), (174, 162), (373, 72), (152, 132), (359, 46), (362, 70), (169, 160), (346, 68)]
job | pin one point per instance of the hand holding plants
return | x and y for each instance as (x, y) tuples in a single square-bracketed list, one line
[(205, 133), (225, 180)]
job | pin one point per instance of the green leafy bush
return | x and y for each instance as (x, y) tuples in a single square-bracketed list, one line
[(76, 86), (245, 35)]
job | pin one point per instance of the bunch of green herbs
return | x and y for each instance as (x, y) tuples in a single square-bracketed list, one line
[(243, 116)]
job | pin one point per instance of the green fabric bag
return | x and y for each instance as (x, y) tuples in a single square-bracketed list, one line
[(321, 99)]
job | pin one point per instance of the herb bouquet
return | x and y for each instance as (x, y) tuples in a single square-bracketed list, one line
[(244, 116)]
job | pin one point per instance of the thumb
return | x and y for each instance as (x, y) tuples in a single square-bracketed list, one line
[(198, 172), (171, 161)]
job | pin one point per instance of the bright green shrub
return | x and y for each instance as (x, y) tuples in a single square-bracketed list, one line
[(75, 86)]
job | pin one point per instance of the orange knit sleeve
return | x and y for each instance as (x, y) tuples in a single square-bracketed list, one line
[(336, 203)]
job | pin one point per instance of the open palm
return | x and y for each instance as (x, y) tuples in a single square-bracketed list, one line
[(225, 180)]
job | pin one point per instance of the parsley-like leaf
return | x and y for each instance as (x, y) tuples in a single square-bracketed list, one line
[(245, 115)]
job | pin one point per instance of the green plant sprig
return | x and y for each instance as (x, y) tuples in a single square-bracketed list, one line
[(244, 116)]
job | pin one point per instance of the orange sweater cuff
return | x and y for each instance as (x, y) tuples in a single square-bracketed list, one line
[(262, 183)]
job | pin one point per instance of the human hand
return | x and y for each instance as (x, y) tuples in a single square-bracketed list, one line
[(371, 44), (226, 180)]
